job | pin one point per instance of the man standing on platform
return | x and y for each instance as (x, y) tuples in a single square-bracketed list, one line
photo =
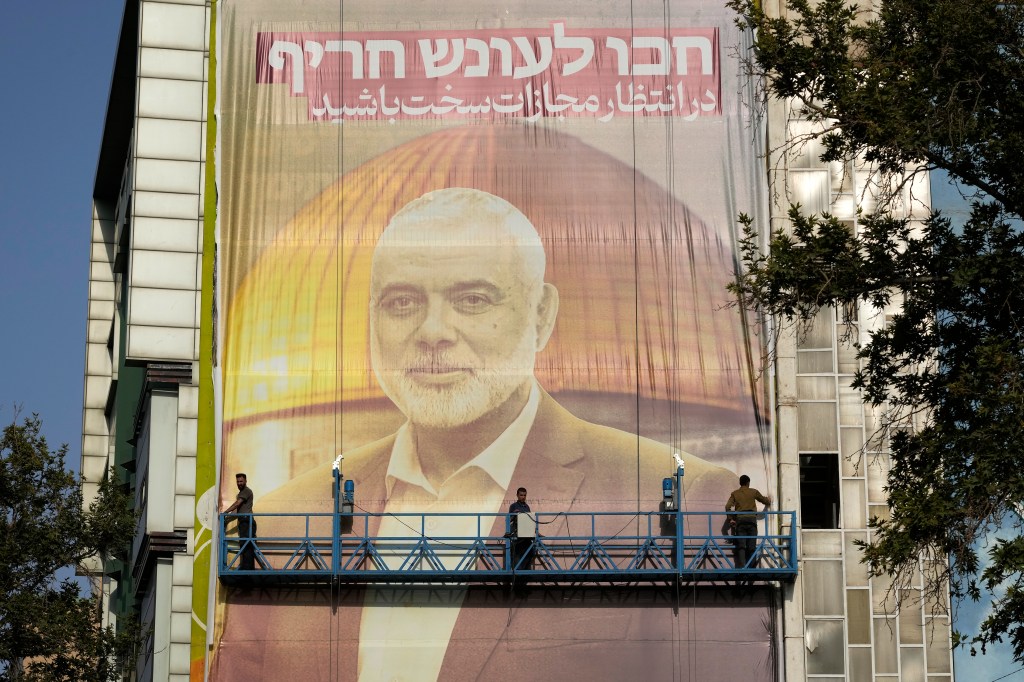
[(744, 526), (522, 555), (246, 523)]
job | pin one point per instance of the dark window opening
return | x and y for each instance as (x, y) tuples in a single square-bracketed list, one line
[(819, 491)]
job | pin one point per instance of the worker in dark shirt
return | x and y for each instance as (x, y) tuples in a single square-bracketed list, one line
[(522, 548), (246, 523)]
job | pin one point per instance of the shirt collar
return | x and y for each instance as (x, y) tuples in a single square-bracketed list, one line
[(498, 460)]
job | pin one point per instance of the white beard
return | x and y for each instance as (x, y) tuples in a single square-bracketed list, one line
[(446, 406)]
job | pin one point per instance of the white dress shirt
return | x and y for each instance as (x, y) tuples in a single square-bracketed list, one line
[(408, 640)]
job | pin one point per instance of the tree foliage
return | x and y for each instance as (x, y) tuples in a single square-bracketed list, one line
[(937, 82), (48, 630), (931, 84)]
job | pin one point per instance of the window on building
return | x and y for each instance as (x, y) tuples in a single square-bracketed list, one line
[(819, 490)]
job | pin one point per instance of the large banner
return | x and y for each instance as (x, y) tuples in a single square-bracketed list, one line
[(471, 247)]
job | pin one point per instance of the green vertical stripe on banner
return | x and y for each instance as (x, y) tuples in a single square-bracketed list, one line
[(206, 451)]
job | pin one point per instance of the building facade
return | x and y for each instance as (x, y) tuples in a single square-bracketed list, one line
[(141, 386), (176, 403)]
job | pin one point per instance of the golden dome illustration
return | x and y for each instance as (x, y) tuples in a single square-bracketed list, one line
[(641, 278)]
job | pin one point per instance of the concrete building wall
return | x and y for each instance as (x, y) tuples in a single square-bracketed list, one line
[(839, 623), (100, 365), (167, 183), (140, 406)]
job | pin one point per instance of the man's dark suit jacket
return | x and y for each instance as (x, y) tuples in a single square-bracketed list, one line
[(566, 464)]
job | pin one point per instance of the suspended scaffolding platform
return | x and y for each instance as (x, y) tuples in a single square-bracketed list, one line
[(568, 547)]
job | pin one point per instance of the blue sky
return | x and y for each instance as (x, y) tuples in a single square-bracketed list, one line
[(59, 58)]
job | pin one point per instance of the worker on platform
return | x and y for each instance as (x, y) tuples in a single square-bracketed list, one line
[(246, 523), (744, 526), (522, 548)]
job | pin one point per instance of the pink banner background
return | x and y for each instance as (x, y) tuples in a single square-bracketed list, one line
[(506, 73)]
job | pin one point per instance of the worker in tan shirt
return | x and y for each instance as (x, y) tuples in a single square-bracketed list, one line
[(744, 526)]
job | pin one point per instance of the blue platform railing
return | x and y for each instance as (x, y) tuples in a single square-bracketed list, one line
[(610, 547)]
